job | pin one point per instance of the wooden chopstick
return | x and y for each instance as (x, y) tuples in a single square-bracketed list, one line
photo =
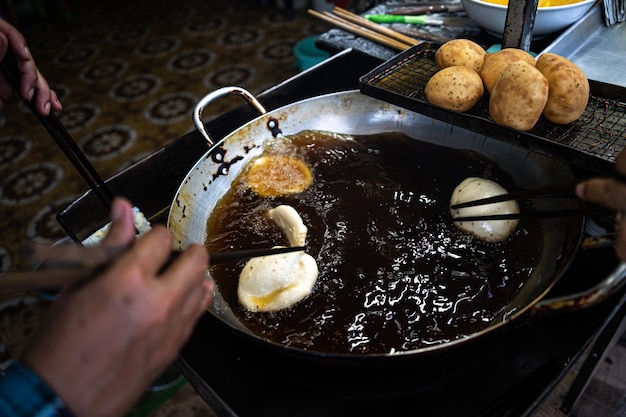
[(584, 211), (65, 266), (355, 18), (561, 190), (360, 30)]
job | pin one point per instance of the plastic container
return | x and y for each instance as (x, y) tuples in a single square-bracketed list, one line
[(295, 4), (548, 20), (323, 5), (308, 54)]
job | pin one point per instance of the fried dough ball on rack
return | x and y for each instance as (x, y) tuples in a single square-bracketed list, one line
[(462, 52), (569, 88), (456, 88), (496, 62)]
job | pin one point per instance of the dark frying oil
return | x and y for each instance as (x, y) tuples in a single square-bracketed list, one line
[(395, 274)]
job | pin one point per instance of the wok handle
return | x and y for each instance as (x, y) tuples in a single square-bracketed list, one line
[(609, 286), (197, 112)]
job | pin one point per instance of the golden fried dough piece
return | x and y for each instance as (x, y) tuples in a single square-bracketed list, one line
[(519, 96), (460, 52), (276, 175), (455, 88), (569, 88), (497, 62)]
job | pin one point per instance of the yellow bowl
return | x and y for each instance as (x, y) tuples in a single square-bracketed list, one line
[(549, 19)]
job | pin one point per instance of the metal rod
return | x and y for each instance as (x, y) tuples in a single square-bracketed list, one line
[(519, 24), (540, 192), (584, 211)]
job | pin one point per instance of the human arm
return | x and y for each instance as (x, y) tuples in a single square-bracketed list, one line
[(24, 394), (610, 192), (31, 80), (102, 344)]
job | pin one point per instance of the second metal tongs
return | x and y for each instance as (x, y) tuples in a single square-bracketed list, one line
[(551, 191)]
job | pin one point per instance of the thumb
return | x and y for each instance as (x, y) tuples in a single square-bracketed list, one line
[(122, 230), (4, 45)]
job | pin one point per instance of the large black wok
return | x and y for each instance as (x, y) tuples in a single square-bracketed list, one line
[(356, 114)]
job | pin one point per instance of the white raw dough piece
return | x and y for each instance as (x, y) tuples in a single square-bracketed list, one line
[(474, 188), (289, 221), (275, 282)]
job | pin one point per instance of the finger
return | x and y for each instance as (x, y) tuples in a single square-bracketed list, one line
[(29, 80), (54, 100), (608, 192), (150, 251), (4, 45), (620, 244), (25, 63), (187, 274), (620, 162), (190, 307), (17, 42), (192, 304), (47, 99), (43, 102), (122, 229)]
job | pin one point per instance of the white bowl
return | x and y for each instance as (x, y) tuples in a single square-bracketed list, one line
[(492, 17)]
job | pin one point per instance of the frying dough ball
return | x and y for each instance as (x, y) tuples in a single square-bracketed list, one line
[(290, 222), (474, 188), (455, 88), (276, 175), (275, 282), (519, 96), (569, 88), (460, 52), (497, 62)]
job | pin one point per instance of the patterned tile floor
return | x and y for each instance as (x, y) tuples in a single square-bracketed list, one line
[(128, 75)]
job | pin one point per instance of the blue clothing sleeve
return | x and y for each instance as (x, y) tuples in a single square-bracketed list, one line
[(24, 394)]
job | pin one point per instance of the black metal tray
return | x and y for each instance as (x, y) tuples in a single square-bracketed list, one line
[(591, 142)]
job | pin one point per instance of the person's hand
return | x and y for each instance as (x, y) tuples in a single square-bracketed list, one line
[(105, 342), (610, 193), (31, 80)]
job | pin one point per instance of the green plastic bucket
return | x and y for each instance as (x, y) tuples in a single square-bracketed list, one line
[(308, 54)]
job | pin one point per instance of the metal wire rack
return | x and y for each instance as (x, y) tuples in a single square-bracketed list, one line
[(593, 141)]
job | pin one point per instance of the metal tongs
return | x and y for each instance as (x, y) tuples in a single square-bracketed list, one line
[(551, 191)]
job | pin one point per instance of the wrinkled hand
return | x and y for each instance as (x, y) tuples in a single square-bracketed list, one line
[(31, 80), (610, 193), (104, 343)]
